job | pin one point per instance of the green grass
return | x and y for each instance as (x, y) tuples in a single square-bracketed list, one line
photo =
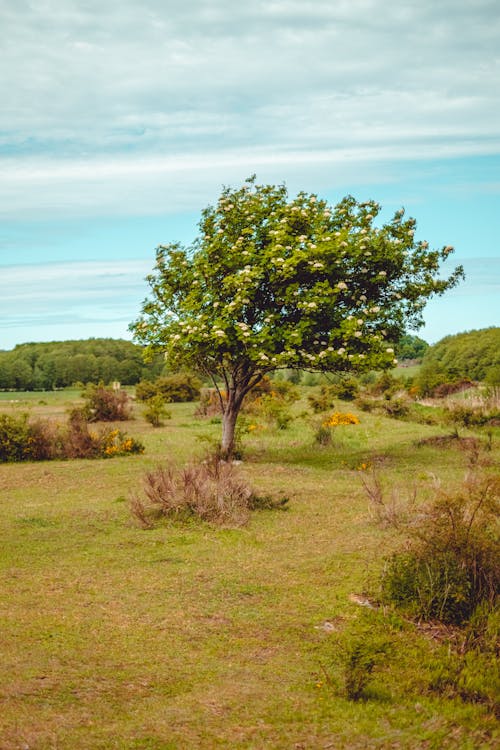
[(188, 636)]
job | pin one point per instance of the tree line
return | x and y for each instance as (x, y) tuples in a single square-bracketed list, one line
[(473, 354), (60, 364)]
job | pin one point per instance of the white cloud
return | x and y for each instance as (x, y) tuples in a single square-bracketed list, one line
[(101, 297), (106, 106)]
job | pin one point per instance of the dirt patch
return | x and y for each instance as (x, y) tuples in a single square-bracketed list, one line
[(445, 441)]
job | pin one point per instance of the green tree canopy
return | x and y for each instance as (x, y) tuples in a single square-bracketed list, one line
[(411, 347), (471, 354), (273, 282)]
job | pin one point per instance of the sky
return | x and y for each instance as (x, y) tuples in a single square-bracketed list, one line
[(121, 121)]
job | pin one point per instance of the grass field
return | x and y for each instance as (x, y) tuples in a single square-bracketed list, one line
[(190, 636)]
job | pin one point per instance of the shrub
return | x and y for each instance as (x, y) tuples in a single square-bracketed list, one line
[(78, 442), (469, 669), (105, 405), (361, 659), (324, 400), (447, 389), (395, 408), (14, 434), (272, 407), (346, 389), (323, 430), (212, 491), (451, 563), (385, 385), (322, 435), (116, 443), (339, 418), (269, 400), (145, 390), (155, 411), (42, 440)]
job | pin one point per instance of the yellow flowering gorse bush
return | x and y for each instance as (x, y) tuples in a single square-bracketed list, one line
[(339, 418)]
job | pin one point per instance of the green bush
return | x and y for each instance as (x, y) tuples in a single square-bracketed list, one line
[(363, 656), (450, 564), (145, 390), (324, 400), (469, 670), (14, 435), (176, 388), (155, 411), (181, 387)]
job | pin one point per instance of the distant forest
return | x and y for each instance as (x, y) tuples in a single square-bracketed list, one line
[(473, 355), (59, 364)]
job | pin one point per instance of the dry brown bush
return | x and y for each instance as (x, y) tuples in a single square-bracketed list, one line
[(212, 491)]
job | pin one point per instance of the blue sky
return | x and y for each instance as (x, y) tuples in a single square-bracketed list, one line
[(121, 121)]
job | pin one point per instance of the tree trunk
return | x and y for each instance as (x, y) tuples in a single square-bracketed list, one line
[(228, 429)]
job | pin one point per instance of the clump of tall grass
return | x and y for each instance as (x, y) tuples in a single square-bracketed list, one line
[(212, 490)]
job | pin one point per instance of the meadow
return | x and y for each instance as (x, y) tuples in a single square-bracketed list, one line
[(188, 635)]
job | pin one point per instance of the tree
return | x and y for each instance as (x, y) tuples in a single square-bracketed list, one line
[(273, 283), (411, 347)]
